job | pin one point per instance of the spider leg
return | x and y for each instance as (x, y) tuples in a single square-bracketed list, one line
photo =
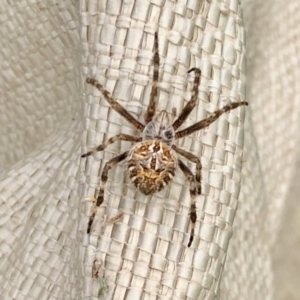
[(153, 96), (195, 160), (115, 105), (191, 178), (119, 137), (110, 164), (192, 103), (206, 122)]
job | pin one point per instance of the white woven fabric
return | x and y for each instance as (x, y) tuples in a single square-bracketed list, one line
[(137, 249)]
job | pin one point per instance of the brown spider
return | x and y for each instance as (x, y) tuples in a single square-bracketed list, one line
[(152, 161)]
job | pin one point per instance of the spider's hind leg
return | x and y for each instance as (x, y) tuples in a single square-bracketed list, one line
[(110, 164), (191, 178), (193, 158)]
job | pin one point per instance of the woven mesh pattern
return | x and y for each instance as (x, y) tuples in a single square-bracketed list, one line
[(137, 249), (153, 231), (273, 89), (40, 128)]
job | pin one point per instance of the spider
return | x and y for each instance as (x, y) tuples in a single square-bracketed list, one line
[(152, 160)]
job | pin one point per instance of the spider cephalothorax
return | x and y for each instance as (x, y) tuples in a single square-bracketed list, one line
[(160, 128), (152, 160)]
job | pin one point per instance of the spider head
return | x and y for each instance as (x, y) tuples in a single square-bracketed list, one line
[(160, 128)]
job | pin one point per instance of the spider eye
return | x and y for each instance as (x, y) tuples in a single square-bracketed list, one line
[(169, 134)]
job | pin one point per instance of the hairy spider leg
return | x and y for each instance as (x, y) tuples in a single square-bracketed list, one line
[(193, 215), (206, 122), (115, 105), (193, 101), (110, 164), (119, 137), (153, 96), (193, 158)]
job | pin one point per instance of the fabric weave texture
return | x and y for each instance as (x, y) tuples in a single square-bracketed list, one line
[(248, 211)]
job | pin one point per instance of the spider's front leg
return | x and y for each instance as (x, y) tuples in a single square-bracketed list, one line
[(193, 101), (193, 215), (153, 96), (115, 105), (119, 137), (206, 122), (110, 164)]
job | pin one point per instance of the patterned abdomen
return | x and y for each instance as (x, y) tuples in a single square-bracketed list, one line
[(151, 165)]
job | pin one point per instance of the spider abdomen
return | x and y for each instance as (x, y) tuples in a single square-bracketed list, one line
[(151, 166)]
